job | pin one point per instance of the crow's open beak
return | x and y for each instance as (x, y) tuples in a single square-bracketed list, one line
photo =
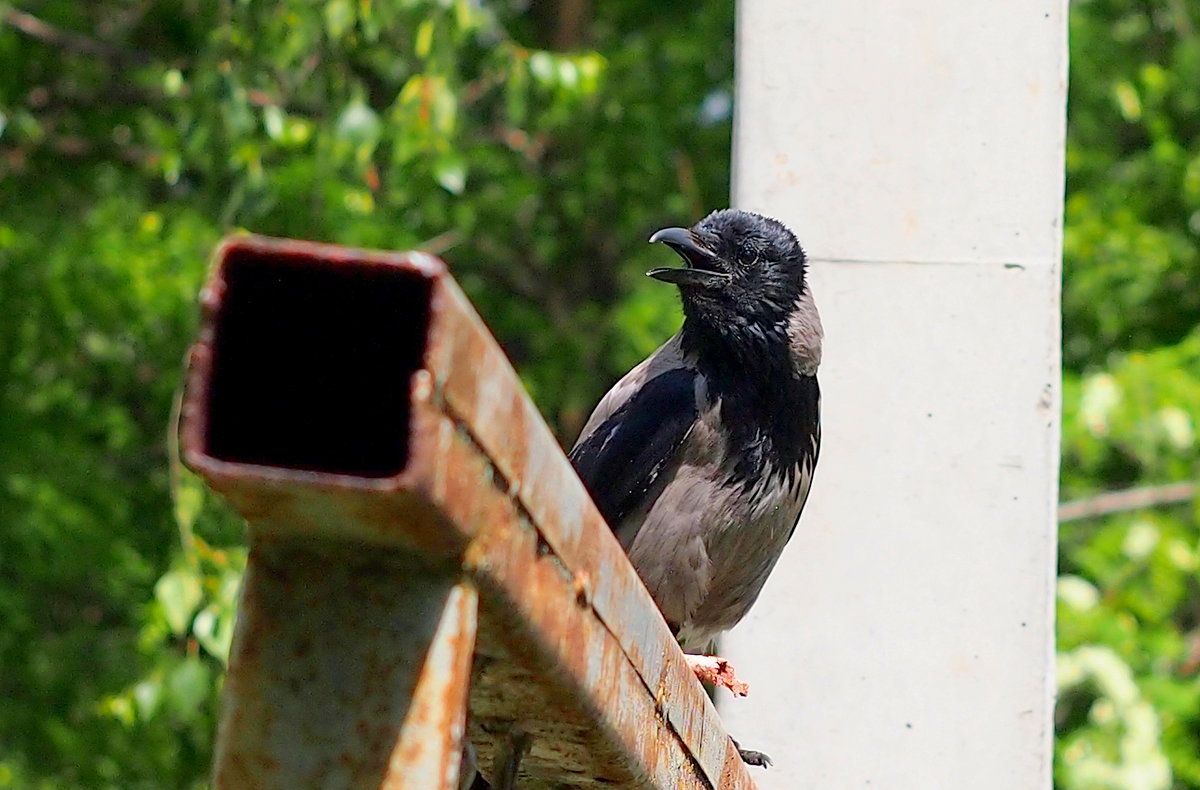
[(700, 262)]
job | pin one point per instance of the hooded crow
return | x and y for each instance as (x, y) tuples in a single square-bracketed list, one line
[(701, 457)]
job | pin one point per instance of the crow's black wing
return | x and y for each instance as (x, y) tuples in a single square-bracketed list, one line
[(623, 458)]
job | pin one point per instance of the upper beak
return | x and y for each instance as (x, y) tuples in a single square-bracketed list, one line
[(699, 260)]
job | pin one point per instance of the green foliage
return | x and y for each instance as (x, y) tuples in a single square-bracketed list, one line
[(1129, 598), (1133, 178), (1120, 749), (1129, 588)]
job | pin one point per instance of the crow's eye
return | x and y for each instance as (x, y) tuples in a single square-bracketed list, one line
[(749, 251)]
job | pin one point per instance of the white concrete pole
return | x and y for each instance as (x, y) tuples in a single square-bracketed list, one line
[(916, 147)]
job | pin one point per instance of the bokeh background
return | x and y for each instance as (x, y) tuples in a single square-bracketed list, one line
[(534, 145)]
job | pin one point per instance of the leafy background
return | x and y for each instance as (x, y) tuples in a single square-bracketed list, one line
[(534, 144)]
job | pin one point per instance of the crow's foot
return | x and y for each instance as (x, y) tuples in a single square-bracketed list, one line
[(751, 757)]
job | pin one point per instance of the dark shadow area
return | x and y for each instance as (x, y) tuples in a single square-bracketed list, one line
[(312, 362)]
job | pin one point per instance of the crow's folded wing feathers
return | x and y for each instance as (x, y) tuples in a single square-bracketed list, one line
[(622, 459)]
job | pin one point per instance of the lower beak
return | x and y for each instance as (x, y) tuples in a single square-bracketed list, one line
[(689, 277)]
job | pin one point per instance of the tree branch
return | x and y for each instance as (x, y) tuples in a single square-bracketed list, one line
[(1130, 499), (69, 40), (572, 24)]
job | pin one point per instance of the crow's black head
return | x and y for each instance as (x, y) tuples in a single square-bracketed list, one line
[(742, 276)]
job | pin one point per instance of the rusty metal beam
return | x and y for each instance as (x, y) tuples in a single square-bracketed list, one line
[(415, 528)]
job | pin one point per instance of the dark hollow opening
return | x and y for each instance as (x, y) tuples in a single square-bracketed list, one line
[(312, 363)]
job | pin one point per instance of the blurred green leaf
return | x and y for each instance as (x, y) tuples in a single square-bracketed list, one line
[(339, 17), (148, 696), (274, 121), (188, 686), (424, 41), (179, 593), (451, 173), (541, 66), (214, 631), (358, 125)]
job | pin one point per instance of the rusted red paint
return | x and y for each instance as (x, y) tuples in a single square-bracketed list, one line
[(570, 650)]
